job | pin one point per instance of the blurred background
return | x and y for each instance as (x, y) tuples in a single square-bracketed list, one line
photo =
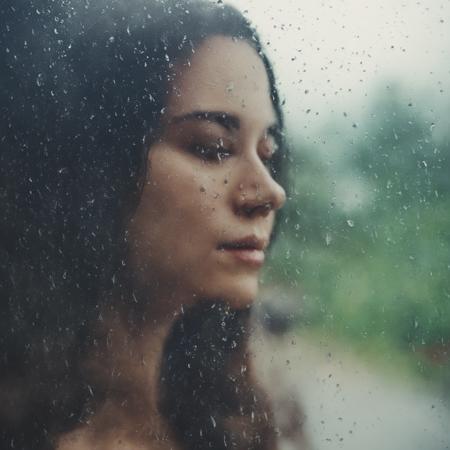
[(361, 270)]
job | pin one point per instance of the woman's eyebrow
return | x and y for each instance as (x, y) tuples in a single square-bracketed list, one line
[(225, 120)]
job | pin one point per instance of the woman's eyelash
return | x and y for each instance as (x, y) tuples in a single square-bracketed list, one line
[(215, 152)]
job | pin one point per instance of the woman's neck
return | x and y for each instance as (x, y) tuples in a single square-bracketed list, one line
[(191, 367)]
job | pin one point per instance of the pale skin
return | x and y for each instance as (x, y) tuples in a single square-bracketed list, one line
[(207, 184)]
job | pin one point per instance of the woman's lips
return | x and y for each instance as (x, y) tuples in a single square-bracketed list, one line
[(250, 256), (248, 250)]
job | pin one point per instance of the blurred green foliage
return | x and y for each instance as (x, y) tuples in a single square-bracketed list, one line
[(365, 240)]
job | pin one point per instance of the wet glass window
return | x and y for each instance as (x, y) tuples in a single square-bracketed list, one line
[(361, 265), (225, 225)]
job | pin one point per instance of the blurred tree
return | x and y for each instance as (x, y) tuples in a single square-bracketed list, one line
[(384, 271)]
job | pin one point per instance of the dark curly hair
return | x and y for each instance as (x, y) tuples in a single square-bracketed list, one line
[(83, 88)]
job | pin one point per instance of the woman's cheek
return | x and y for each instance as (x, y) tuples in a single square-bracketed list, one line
[(211, 193)]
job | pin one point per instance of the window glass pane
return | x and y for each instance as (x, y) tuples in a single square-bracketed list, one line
[(216, 237), (362, 264)]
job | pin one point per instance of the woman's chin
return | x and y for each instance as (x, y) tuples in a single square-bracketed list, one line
[(237, 295)]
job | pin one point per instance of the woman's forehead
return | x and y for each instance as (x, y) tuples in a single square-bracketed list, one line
[(224, 75)]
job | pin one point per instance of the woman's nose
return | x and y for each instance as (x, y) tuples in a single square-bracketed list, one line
[(257, 192)]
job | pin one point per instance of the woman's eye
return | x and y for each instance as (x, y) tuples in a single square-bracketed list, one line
[(215, 152)]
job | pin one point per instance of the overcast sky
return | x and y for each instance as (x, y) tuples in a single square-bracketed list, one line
[(329, 55)]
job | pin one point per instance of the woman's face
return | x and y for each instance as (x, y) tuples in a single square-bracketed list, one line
[(209, 202)]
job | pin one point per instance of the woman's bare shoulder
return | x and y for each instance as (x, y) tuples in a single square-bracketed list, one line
[(83, 439)]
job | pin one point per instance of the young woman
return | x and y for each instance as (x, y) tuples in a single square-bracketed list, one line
[(141, 170)]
